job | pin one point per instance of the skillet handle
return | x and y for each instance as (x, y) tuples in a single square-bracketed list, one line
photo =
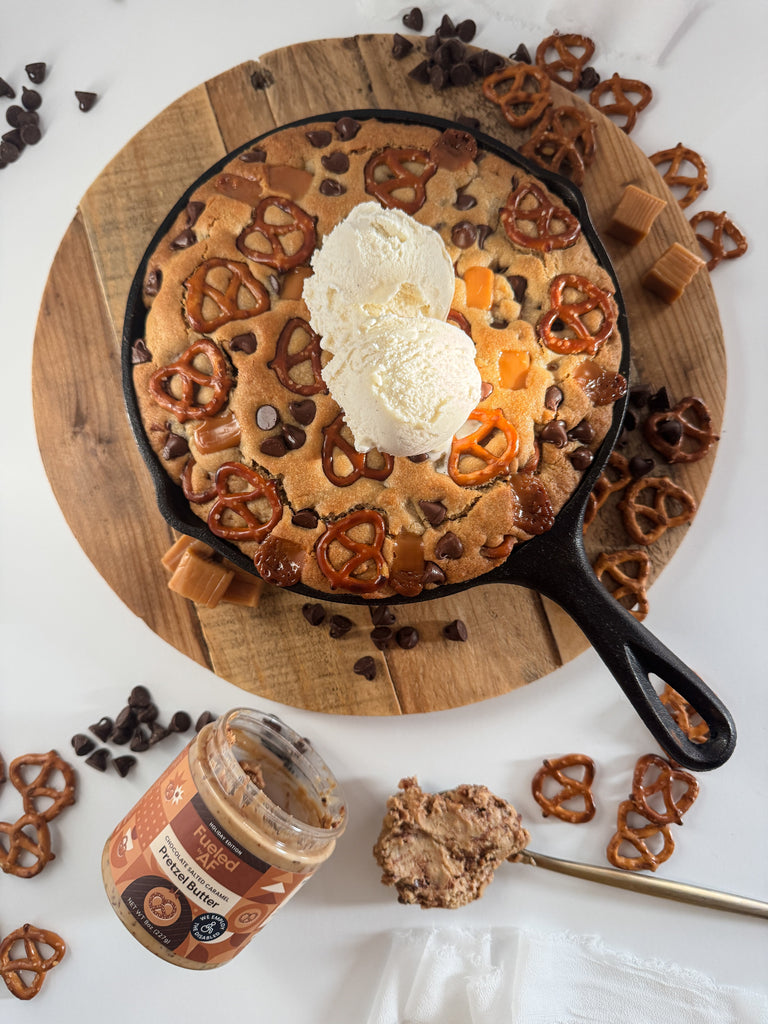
[(632, 653)]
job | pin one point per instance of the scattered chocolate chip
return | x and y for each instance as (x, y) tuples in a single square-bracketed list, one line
[(553, 396), (581, 458), (245, 343), (485, 62), (294, 437), (340, 626), (120, 736), (313, 613), (303, 412), (148, 714), (401, 46), (420, 72), (174, 447), (159, 732), (365, 667), (466, 30), (639, 395), (418, 458), (13, 114), (30, 134), (8, 152), (102, 728), (126, 719), (123, 764), (449, 546), (434, 511), (139, 739), (446, 27), (184, 239), (659, 401), (319, 138), (36, 72), (670, 431), (336, 163), (461, 73), (555, 433), (464, 201), (14, 137), (414, 19), (152, 283), (473, 123), (347, 128), (85, 100), (438, 77), (638, 466), (267, 417), (274, 446), (583, 431), (139, 697), (381, 615), (7, 90), (253, 156), (30, 98), (432, 574), (522, 54), (306, 519), (381, 637), (180, 722), (630, 420), (589, 78), (464, 234), (99, 759), (331, 188), (449, 53), (205, 719), (407, 637), (455, 630), (82, 744)]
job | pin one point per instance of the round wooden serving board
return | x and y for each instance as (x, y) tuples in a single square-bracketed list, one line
[(104, 488)]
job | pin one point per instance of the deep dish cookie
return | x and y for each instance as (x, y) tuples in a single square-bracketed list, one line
[(229, 374)]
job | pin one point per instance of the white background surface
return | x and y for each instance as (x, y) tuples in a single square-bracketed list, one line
[(71, 651)]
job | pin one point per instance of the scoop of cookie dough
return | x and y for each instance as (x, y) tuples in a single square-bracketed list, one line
[(441, 849)]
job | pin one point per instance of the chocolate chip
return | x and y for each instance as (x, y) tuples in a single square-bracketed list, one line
[(581, 458), (418, 458), (36, 72), (244, 343), (498, 324), (583, 431), (414, 19), (466, 30), (148, 714), (205, 719), (319, 138), (461, 73), (407, 637), (381, 637), (336, 163), (126, 719), (434, 511), (7, 90), (455, 630), (30, 98), (446, 27), (102, 728), (381, 615), (365, 667), (438, 77), (331, 188), (555, 433), (306, 519), (670, 431), (485, 62), (340, 626), (464, 201), (180, 722), (193, 211), (589, 78), (486, 390), (659, 401), (152, 283), (313, 613), (184, 239), (638, 466), (303, 412), (639, 395), (274, 283), (14, 115), (401, 46), (518, 284), (432, 574), (159, 732), (274, 446), (473, 123), (449, 546), (14, 137), (267, 417), (174, 447), (30, 134), (140, 739), (82, 744), (630, 420), (99, 759), (483, 231), (347, 128), (464, 234), (294, 437), (120, 736), (8, 152), (123, 764), (448, 53), (553, 396), (253, 156), (420, 72), (522, 54), (85, 100)]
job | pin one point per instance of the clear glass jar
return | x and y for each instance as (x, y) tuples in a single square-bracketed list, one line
[(239, 821)]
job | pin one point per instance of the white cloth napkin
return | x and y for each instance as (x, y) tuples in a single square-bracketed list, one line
[(511, 976)]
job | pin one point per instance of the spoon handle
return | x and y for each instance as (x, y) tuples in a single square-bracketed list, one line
[(650, 885)]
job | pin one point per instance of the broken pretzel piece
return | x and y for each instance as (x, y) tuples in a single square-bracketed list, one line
[(685, 715)]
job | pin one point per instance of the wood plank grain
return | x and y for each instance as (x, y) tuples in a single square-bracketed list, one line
[(514, 637)]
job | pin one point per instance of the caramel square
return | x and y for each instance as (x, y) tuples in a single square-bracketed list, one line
[(634, 216), (672, 272)]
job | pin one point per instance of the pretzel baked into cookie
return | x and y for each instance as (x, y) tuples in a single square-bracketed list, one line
[(230, 373)]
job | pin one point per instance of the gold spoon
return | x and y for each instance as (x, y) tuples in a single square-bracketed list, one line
[(649, 885)]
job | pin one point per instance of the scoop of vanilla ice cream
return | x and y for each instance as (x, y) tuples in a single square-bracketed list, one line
[(407, 385), (376, 261)]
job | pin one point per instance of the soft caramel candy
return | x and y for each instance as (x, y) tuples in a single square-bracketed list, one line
[(217, 433), (633, 217), (513, 369), (200, 580), (672, 272), (293, 282), (479, 284), (244, 590), (173, 555)]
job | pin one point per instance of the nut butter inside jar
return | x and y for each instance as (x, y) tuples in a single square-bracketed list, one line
[(228, 833)]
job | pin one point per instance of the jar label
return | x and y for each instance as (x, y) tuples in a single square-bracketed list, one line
[(188, 882)]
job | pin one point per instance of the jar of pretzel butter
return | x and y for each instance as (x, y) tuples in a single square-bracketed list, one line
[(240, 820)]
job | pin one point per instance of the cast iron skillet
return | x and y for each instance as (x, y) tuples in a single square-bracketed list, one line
[(554, 564)]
